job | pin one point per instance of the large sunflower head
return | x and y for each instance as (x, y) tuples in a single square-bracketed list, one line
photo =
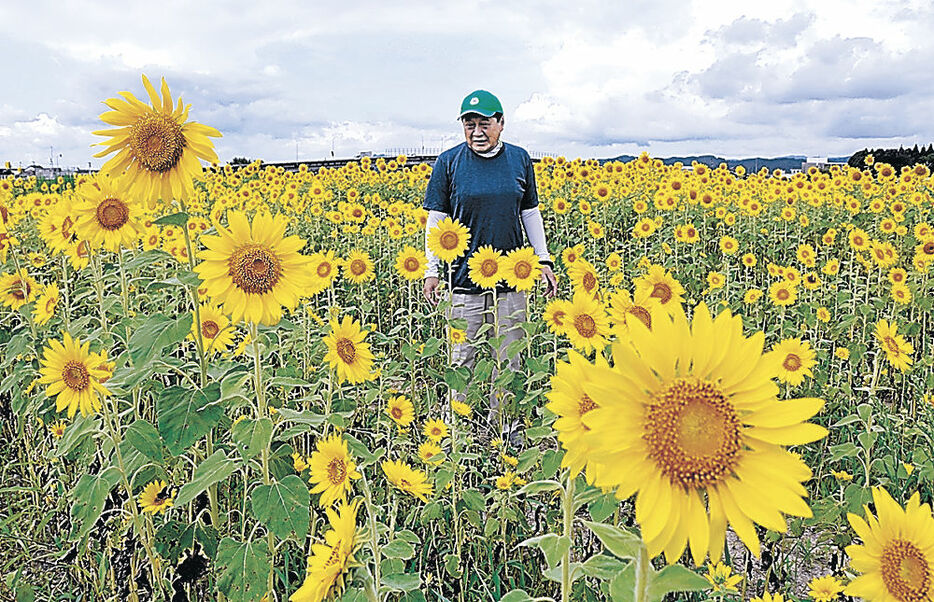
[(330, 560), (797, 358), (216, 333), (332, 469), (348, 354), (358, 267), (688, 420), (157, 148), (448, 240), (555, 315), (485, 267), (521, 268), (323, 266), (586, 324), (411, 263), (623, 308), (408, 479), (46, 304), (401, 410), (254, 271), (108, 215), (73, 375), (896, 558), (663, 286)]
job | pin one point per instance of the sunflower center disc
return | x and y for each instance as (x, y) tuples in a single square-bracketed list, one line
[(20, 290), (585, 405), (523, 269), (488, 268), (642, 314), (892, 344), (346, 350), (209, 329), (112, 213), (585, 325), (449, 240), (792, 363), (662, 292), (782, 294), (411, 264), (589, 281), (76, 376), (396, 413), (905, 571), (357, 267), (157, 142), (337, 472), (558, 318), (693, 433), (254, 269)]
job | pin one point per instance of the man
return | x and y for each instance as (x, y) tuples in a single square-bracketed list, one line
[(489, 186)]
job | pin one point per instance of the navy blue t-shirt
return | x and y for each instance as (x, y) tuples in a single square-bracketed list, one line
[(487, 196)]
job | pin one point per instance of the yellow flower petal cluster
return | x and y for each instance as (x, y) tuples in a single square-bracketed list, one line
[(74, 376), (348, 354), (332, 470), (448, 240)]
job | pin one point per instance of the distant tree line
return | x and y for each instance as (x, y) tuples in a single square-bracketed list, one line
[(897, 158)]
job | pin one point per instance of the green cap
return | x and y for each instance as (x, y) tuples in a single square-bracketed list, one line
[(482, 103)]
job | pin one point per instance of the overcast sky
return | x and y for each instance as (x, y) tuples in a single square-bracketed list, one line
[(589, 79)]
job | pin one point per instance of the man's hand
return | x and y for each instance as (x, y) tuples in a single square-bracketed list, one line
[(551, 282), (430, 289)]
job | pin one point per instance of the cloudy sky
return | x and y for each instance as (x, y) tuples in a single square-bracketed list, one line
[(282, 79)]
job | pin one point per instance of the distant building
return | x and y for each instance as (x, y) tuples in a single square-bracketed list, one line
[(821, 163)]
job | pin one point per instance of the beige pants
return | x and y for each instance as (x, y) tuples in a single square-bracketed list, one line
[(478, 310)]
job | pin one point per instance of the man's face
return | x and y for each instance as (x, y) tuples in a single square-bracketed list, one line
[(482, 133)]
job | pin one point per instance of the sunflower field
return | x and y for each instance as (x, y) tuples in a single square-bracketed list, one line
[(225, 383)]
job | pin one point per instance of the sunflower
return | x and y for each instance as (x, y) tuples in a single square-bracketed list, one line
[(358, 267), (587, 323), (721, 578), (457, 336), (401, 410), (46, 304), (569, 402), (663, 286), (154, 498), (484, 266), (448, 240), (521, 268), (688, 421), (17, 289), (330, 560), (435, 429), (824, 589), (461, 409), (323, 266), (74, 375), (767, 597), (157, 147), (253, 271), (584, 277), (783, 293), (348, 354), (428, 452), (215, 330), (897, 349), (555, 315), (896, 558), (901, 294), (797, 359), (58, 429), (332, 468), (624, 307), (407, 479), (752, 296), (411, 263), (107, 216)]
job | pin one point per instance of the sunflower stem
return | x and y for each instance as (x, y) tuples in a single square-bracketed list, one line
[(568, 503), (261, 412), (143, 534), (65, 297), (99, 289)]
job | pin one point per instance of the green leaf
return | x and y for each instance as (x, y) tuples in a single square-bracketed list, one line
[(622, 587), (551, 545), (517, 595), (304, 417), (283, 507), (675, 578), (214, 469), (618, 542), (243, 569), (155, 334), (144, 259), (174, 219), (602, 507), (538, 487), (174, 537), (145, 438), (602, 566), (288, 382), (76, 432), (473, 499), (404, 582), (398, 549), (89, 495), (251, 436), (185, 415)]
